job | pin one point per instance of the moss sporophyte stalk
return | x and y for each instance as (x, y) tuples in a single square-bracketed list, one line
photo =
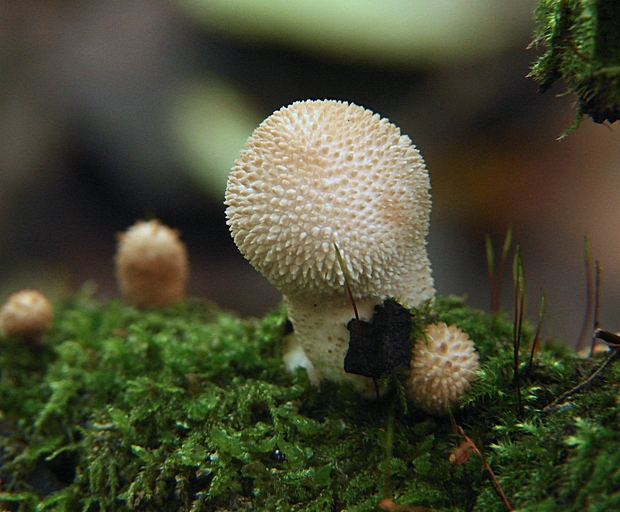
[(190, 408)]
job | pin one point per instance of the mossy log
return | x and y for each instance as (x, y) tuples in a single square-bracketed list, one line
[(190, 408)]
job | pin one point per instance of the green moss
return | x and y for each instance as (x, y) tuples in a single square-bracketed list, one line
[(582, 40), (189, 408)]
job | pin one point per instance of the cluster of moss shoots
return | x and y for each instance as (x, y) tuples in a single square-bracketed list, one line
[(582, 47), (190, 408)]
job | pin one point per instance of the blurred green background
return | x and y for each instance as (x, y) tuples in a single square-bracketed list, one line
[(111, 111)]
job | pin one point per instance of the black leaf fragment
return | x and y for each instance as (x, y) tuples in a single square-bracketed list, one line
[(379, 347)]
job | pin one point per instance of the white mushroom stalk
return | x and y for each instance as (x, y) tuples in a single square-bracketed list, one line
[(323, 174)]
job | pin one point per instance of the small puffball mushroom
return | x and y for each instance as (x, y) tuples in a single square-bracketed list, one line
[(317, 175), (151, 264), (26, 314), (442, 367)]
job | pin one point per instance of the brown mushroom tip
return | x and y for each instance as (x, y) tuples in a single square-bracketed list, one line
[(323, 174), (442, 367), (151, 264), (26, 314)]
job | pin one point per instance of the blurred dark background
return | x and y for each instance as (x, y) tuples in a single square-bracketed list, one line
[(112, 111)]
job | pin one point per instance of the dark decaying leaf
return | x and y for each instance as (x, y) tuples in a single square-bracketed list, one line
[(379, 347)]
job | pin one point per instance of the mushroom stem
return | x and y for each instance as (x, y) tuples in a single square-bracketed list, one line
[(321, 330)]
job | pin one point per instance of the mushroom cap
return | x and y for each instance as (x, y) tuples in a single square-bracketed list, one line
[(151, 264), (27, 313), (442, 367), (320, 174)]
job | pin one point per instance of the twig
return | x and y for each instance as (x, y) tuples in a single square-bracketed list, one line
[(494, 479), (613, 340), (613, 355)]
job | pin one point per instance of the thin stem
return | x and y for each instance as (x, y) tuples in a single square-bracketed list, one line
[(346, 282), (500, 271), (488, 244), (538, 330), (496, 279), (454, 425), (589, 298), (389, 442), (519, 307), (494, 479), (597, 296), (357, 316)]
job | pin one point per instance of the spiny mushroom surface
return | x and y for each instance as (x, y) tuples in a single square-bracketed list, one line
[(442, 367), (151, 264), (317, 175), (26, 314)]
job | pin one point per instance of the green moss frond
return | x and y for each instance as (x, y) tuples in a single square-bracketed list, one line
[(582, 49)]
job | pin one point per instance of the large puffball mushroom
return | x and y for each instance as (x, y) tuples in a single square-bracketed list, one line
[(26, 314), (442, 367), (151, 265), (317, 175)]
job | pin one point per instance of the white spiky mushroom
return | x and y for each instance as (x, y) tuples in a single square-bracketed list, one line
[(442, 367), (317, 175)]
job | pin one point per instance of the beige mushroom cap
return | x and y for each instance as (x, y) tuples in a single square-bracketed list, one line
[(442, 367), (151, 264), (27, 314), (319, 173)]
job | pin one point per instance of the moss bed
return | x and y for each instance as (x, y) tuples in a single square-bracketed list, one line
[(190, 408)]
